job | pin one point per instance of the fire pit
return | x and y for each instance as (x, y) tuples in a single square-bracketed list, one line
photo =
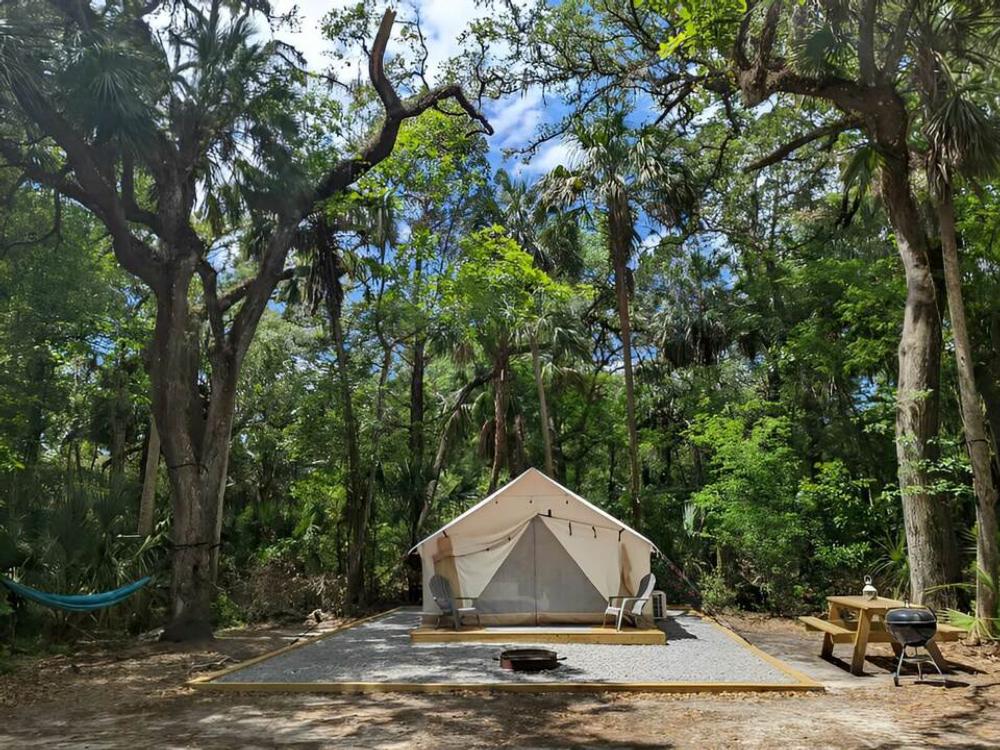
[(529, 659)]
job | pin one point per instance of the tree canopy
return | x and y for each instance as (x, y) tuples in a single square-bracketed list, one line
[(751, 309)]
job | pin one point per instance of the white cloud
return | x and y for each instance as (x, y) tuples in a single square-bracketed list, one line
[(551, 156), (308, 38), (515, 118), (650, 242), (442, 22)]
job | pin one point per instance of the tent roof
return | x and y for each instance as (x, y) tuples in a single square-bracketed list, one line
[(535, 472)]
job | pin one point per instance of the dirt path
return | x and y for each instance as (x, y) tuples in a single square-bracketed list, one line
[(134, 697)]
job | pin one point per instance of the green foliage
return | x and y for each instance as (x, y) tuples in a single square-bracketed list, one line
[(892, 570), (766, 304), (750, 503), (495, 288), (226, 613), (69, 533), (843, 515), (716, 593), (321, 499), (983, 628), (700, 26)]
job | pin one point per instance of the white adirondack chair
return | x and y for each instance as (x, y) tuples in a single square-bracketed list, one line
[(630, 607)]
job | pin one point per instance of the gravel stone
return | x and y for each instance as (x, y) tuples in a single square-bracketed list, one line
[(380, 650)]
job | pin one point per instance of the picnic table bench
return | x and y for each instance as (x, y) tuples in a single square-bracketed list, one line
[(860, 621)]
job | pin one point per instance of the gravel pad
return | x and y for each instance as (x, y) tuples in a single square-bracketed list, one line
[(380, 650)]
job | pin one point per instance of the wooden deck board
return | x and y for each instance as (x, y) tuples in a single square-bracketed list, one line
[(628, 637)]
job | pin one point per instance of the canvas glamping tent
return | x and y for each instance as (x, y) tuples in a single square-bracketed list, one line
[(535, 553)]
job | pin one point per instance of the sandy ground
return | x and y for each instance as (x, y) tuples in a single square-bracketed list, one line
[(133, 696)]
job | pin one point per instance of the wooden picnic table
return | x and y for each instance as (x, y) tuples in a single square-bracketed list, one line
[(860, 621)]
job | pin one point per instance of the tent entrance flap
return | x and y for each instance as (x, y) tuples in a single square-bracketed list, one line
[(540, 579)]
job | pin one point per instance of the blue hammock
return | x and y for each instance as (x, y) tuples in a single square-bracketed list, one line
[(77, 602)]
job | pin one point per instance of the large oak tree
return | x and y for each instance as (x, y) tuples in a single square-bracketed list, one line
[(180, 130)]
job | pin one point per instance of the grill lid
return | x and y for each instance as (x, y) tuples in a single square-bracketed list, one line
[(910, 616)]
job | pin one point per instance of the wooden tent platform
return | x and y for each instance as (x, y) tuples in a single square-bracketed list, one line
[(353, 659), (540, 634)]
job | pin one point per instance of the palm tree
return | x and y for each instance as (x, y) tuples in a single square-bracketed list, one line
[(318, 246), (695, 324), (615, 168), (963, 137), (551, 237), (554, 325)]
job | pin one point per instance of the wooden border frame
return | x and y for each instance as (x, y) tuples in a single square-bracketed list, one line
[(594, 635), (368, 688), (801, 682)]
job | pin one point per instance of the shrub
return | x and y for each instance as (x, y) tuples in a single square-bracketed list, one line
[(716, 594), (751, 508), (278, 588)]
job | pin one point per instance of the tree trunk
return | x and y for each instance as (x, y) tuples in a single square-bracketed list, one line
[(612, 466), (620, 238), (219, 515), (147, 503), (194, 494), (416, 439), (39, 371), (118, 419), (543, 408), (501, 383), (194, 422), (354, 508), (558, 455), (368, 536), (986, 378), (972, 421), (929, 533)]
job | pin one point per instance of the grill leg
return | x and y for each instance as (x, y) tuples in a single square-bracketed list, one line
[(935, 652), (899, 666), (939, 672), (920, 671)]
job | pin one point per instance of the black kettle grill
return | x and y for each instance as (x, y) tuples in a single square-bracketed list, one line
[(912, 627)]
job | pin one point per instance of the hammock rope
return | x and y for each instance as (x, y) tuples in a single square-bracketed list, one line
[(75, 602)]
